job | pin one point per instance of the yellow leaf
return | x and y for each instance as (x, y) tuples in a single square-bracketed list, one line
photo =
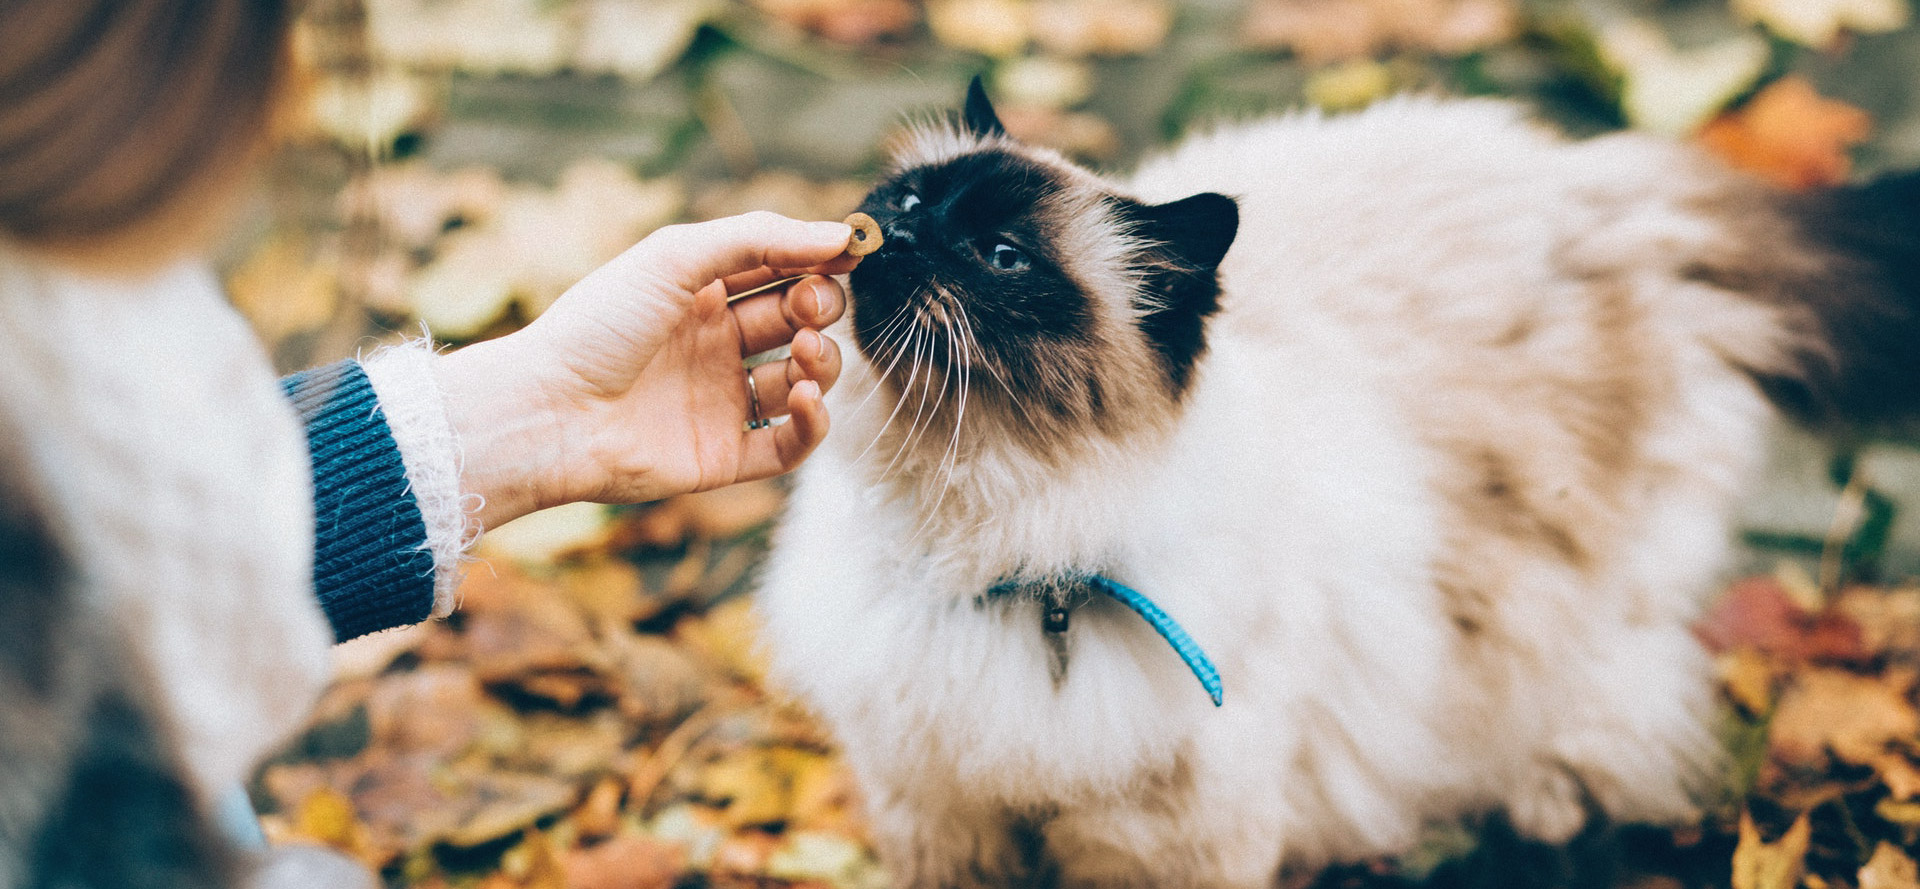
[(1761, 865), (328, 816), (1672, 91), (1889, 868), (1819, 22), (1349, 85)]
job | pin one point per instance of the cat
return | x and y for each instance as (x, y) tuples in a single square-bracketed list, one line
[(1421, 424)]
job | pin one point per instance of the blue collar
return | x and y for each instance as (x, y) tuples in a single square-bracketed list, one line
[(1136, 602)]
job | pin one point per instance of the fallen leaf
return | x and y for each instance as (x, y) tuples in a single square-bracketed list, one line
[(327, 816), (828, 858), (1101, 27), (1349, 85), (1854, 717), (1322, 31), (628, 861), (1889, 620), (434, 709), (496, 804), (1672, 91), (855, 22), (1777, 865), (283, 290), (1819, 23), (1889, 868), (729, 634), (1748, 678), (991, 27), (1790, 135), (599, 814), (1757, 613), (544, 537)]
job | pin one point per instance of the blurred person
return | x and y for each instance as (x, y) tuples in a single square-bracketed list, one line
[(184, 535)]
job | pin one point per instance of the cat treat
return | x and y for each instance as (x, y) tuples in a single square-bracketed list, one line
[(866, 235)]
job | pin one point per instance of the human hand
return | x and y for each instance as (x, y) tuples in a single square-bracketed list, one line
[(630, 388)]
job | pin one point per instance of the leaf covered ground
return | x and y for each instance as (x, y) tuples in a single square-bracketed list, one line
[(593, 715)]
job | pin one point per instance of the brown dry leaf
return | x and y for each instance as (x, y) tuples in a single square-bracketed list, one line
[(610, 590), (726, 513), (435, 709), (628, 861), (727, 634), (1855, 717), (745, 853), (853, 22), (535, 864), (658, 682), (1889, 620), (1889, 868), (599, 815), (1761, 865), (1790, 135), (1899, 774), (497, 804), (753, 788), (1334, 30)]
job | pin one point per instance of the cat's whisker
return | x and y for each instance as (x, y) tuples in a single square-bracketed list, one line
[(913, 369), (895, 327), (915, 429)]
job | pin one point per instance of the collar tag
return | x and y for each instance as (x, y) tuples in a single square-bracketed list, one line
[(1054, 622)]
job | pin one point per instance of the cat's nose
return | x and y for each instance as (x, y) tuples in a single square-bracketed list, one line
[(898, 234)]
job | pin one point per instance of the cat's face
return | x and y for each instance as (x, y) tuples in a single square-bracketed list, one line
[(1059, 307)]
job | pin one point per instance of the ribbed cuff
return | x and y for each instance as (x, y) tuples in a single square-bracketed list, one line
[(410, 399), (371, 568)]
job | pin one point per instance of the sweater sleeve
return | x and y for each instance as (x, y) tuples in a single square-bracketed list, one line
[(389, 535)]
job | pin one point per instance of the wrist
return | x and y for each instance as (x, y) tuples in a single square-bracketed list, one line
[(512, 445)]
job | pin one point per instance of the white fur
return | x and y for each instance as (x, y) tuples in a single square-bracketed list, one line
[(1290, 521)]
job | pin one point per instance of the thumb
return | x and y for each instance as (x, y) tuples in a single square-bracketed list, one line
[(693, 256)]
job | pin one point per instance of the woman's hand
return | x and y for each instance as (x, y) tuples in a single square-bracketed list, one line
[(630, 388)]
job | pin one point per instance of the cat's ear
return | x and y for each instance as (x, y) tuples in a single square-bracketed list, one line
[(978, 115), (1182, 245), (1197, 230)]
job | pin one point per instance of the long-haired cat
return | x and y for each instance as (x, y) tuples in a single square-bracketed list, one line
[(1423, 424)]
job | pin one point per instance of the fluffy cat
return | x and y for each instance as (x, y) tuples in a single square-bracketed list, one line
[(1423, 422)]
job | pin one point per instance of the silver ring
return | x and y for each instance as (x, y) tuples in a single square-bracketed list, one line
[(754, 420)]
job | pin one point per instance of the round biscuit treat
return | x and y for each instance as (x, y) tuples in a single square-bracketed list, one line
[(866, 235)]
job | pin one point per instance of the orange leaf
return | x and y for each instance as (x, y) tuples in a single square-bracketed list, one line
[(1789, 135)]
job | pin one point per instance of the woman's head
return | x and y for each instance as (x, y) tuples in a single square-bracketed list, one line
[(128, 118)]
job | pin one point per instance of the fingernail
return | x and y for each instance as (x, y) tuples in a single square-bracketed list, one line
[(822, 299)]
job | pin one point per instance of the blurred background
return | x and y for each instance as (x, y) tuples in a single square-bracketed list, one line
[(593, 715)]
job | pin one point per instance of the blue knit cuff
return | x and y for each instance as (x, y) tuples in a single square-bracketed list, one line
[(371, 570)]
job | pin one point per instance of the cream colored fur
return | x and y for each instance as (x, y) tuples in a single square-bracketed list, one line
[(1450, 483)]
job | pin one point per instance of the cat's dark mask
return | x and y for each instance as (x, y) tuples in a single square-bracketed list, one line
[(1064, 302)]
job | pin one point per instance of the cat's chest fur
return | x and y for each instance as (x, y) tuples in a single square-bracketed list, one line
[(1449, 479)]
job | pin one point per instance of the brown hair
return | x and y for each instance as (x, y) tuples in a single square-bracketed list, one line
[(119, 114)]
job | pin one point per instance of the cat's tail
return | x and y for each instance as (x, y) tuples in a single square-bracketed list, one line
[(1846, 275)]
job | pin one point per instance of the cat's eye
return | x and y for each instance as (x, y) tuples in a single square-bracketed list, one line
[(1008, 258), (909, 202)]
